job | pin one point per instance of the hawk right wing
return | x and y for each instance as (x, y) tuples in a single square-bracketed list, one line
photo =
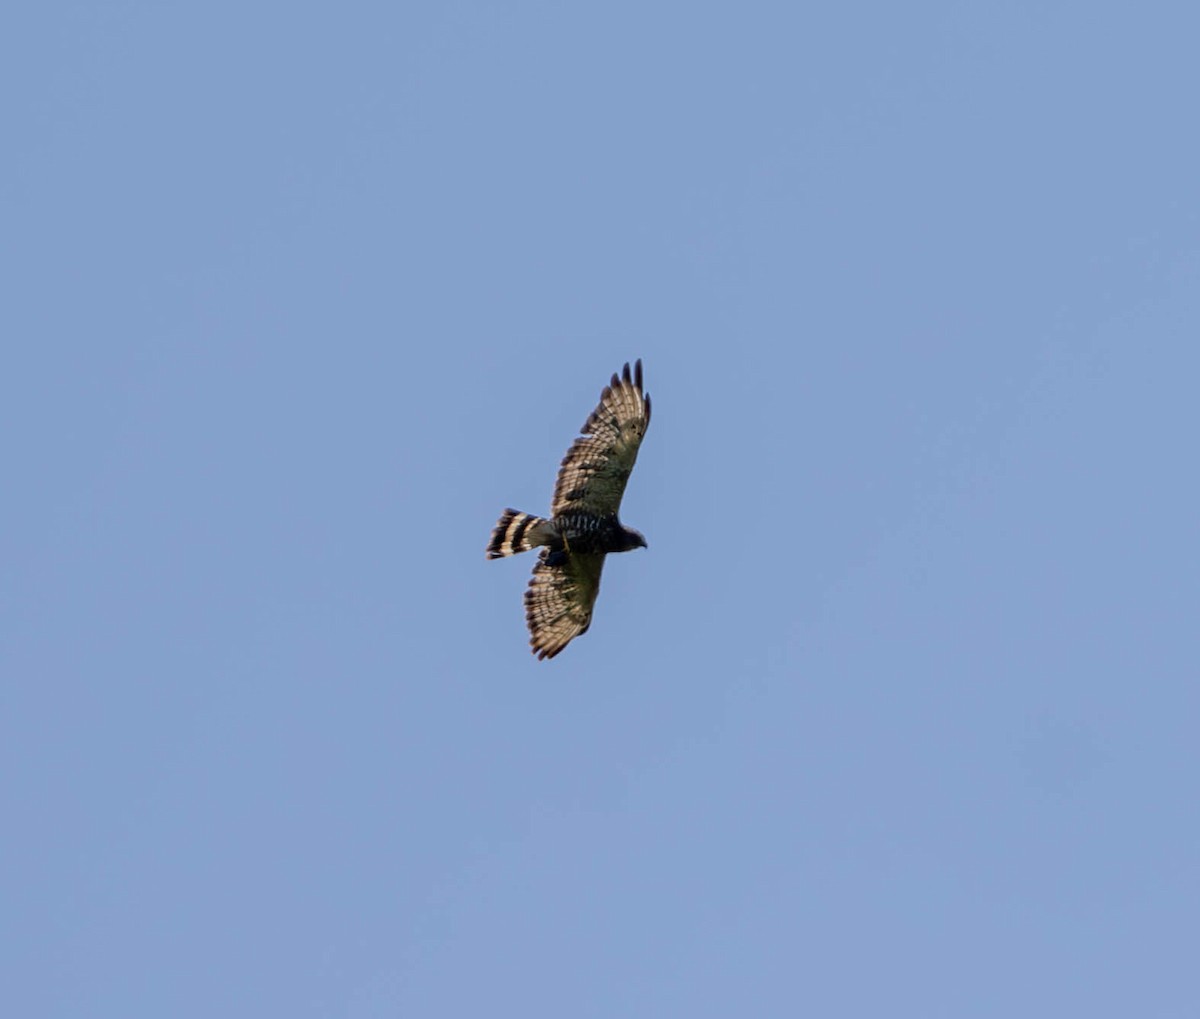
[(559, 599), (593, 474)]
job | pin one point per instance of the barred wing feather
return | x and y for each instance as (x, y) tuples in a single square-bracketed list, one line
[(596, 468), (559, 600)]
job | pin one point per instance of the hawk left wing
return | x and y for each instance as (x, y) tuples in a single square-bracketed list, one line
[(559, 599), (596, 468)]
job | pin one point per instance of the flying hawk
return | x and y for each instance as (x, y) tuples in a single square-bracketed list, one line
[(583, 526)]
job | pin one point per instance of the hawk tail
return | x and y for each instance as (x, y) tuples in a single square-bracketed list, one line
[(519, 532)]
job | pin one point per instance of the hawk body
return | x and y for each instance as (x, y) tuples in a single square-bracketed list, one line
[(583, 526)]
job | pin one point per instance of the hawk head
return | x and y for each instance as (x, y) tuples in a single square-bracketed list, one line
[(633, 539)]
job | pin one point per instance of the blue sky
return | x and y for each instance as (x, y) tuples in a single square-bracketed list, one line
[(897, 714)]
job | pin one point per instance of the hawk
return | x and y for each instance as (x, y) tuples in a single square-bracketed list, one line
[(583, 526)]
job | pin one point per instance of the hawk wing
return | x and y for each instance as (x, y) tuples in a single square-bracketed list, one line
[(559, 599), (594, 472)]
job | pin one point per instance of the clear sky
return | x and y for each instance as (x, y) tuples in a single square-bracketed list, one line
[(898, 713)]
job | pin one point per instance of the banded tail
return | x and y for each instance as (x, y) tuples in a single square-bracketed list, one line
[(519, 532)]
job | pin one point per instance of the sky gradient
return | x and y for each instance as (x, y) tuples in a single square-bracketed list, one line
[(896, 716)]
